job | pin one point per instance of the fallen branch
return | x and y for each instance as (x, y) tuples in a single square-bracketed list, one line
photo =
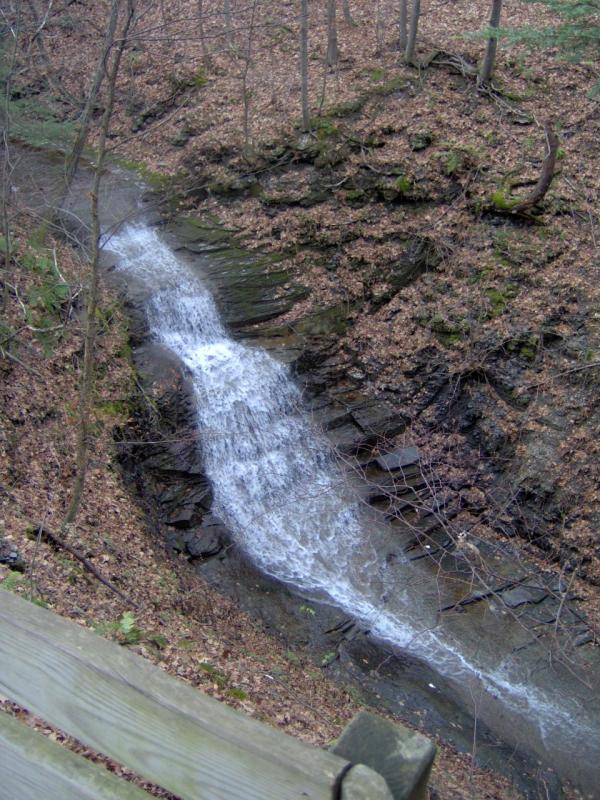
[(547, 174), (591, 365), (43, 531)]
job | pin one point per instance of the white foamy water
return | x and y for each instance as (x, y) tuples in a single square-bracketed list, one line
[(282, 494)]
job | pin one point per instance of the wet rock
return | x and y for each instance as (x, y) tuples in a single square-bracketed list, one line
[(208, 540), (10, 556), (378, 419), (347, 438), (397, 459), (521, 595)]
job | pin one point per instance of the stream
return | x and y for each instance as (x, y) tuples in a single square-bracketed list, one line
[(292, 508), (296, 511)]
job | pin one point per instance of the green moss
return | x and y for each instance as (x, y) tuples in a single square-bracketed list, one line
[(158, 640), (218, 677), (390, 86), (377, 74), (502, 202), (420, 140), (452, 162), (158, 181), (38, 125), (499, 298), (115, 409), (12, 580), (403, 184), (447, 332), (292, 657), (239, 694), (357, 196), (525, 346), (347, 109)]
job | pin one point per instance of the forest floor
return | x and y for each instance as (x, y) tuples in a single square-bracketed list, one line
[(508, 309)]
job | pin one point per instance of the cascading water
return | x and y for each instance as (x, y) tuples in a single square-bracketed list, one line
[(280, 491)]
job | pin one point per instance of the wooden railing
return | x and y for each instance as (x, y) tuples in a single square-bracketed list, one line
[(167, 732)]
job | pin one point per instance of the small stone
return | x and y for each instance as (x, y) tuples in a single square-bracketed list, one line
[(521, 595), (403, 457), (10, 556)]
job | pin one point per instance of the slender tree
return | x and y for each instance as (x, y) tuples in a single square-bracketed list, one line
[(411, 43), (92, 98), (9, 69), (403, 24), (37, 40), (206, 59), (89, 338), (332, 42), (247, 63), (378, 28), (487, 66), (304, 63), (228, 23), (347, 12)]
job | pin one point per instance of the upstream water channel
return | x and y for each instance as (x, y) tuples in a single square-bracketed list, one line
[(295, 512)]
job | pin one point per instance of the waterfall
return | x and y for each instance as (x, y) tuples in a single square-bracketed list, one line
[(289, 505)]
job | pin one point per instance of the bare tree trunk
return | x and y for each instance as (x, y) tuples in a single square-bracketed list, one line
[(378, 28), (86, 116), (548, 167), (38, 40), (89, 343), (332, 44), (487, 67), (228, 23), (206, 59), (403, 25), (304, 62), (409, 53), (246, 95), (347, 13), (14, 31)]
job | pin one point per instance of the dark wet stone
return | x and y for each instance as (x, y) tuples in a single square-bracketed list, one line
[(206, 542), (10, 556), (347, 438), (378, 419), (524, 594), (397, 459)]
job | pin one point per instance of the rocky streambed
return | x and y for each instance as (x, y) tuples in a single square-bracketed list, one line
[(465, 639), (515, 666)]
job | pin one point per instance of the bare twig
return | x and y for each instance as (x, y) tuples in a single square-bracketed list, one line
[(59, 541)]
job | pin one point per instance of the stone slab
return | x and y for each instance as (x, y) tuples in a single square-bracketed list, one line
[(403, 757)]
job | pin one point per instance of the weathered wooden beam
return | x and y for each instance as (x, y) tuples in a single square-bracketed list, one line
[(164, 730), (32, 767)]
